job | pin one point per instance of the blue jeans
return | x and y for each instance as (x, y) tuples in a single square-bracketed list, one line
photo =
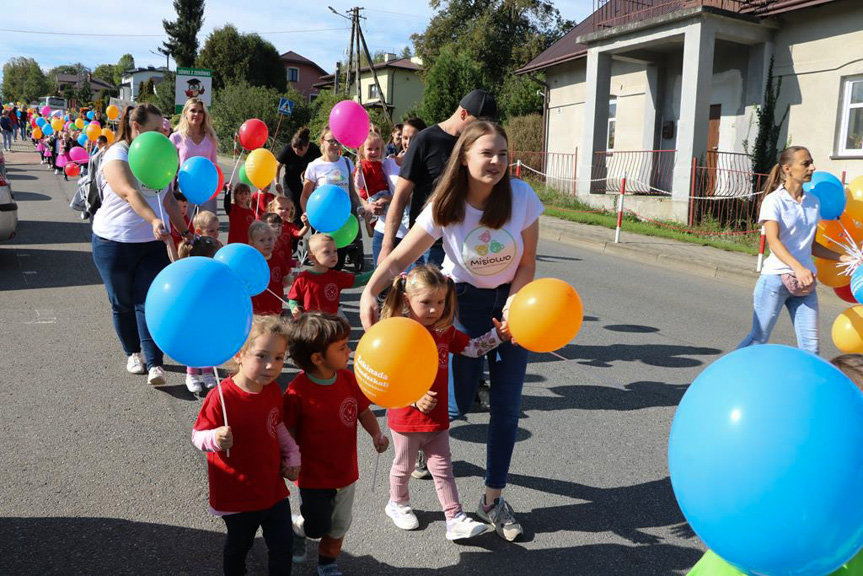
[(769, 297), (507, 365), (434, 256), (128, 269), (7, 139), (377, 243)]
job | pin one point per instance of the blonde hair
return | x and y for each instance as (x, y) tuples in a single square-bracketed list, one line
[(261, 326), (203, 218), (422, 279), (258, 226), (273, 206), (776, 177), (374, 134), (852, 366), (317, 239), (183, 126)]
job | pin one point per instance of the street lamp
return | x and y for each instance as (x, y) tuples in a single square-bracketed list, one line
[(167, 55)]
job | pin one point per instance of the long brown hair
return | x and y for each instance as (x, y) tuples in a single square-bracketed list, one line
[(450, 194), (776, 177), (421, 279), (140, 114)]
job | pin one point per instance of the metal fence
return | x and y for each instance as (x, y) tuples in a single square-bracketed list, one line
[(611, 13), (647, 172), (559, 170)]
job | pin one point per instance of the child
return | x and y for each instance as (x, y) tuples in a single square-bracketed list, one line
[(247, 488), (262, 238), (284, 207), (370, 180), (427, 296), (206, 224), (261, 199), (321, 408), (184, 207), (240, 213), (852, 366), (320, 287)]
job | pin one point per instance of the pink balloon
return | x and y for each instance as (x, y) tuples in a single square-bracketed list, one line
[(96, 122), (46, 110), (62, 160), (349, 123), (79, 155)]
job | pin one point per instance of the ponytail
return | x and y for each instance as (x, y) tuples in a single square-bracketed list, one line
[(395, 303), (420, 279), (140, 114), (776, 178)]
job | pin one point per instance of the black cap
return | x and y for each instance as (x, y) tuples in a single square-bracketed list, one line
[(479, 104)]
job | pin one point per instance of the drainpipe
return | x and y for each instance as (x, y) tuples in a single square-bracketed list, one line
[(545, 89)]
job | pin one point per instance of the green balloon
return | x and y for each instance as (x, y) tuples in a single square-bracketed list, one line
[(712, 565), (243, 178), (153, 160), (347, 233)]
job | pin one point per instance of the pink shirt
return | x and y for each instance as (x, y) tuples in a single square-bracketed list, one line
[(187, 148)]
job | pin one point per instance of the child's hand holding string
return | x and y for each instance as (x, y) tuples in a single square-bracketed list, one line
[(224, 438), (381, 442), (427, 403), (290, 472)]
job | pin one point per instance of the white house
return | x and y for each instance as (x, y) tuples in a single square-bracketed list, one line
[(132, 80), (666, 91)]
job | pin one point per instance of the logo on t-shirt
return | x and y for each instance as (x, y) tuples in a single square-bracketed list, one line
[(443, 355), (348, 411), (337, 177), (276, 274), (273, 421), (331, 291), (487, 252)]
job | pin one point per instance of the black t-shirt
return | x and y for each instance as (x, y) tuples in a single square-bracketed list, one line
[(294, 166), (423, 164)]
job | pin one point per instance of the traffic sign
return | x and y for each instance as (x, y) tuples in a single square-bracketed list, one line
[(286, 106)]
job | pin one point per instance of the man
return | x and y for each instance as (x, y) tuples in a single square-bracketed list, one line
[(425, 162)]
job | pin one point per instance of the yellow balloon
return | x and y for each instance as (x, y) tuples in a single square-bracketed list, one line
[(109, 134), (57, 124), (112, 112), (261, 167), (93, 132), (854, 199), (848, 330), (79, 122), (830, 274)]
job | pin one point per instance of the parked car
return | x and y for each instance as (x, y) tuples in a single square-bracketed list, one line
[(53, 102), (8, 211), (2, 165)]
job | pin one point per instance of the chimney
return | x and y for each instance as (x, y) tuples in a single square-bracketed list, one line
[(389, 56)]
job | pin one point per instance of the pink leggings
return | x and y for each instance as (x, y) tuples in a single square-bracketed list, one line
[(197, 371), (436, 447)]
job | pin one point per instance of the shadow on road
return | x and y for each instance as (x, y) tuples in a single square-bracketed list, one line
[(54, 269), (634, 396), (29, 196), (631, 328), (662, 355), (478, 433), (33, 232)]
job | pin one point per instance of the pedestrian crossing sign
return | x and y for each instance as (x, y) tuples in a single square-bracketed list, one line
[(286, 106)]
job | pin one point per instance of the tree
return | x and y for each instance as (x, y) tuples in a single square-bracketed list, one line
[(77, 69), (236, 57), (321, 108), (766, 150), (182, 33), (142, 91), (406, 52), (519, 96), (84, 92), (453, 75), (126, 62), (164, 98), (23, 80), (104, 72)]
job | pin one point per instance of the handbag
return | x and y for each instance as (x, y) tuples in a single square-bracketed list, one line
[(793, 285)]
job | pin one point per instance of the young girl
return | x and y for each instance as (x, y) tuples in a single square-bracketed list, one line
[(263, 239), (247, 488), (284, 207), (240, 213), (262, 198), (427, 296), (370, 180)]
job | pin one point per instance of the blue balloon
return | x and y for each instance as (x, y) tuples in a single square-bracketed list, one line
[(82, 139), (830, 193), (766, 461), (90, 115), (173, 312), (328, 208), (249, 264), (40, 122), (198, 179), (47, 129), (66, 118)]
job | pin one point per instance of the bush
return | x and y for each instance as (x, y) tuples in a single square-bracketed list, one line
[(321, 111), (525, 133)]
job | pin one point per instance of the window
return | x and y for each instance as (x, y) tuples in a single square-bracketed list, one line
[(293, 74), (851, 136), (612, 121), (312, 98), (373, 91)]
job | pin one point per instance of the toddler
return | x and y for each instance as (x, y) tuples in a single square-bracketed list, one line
[(370, 180), (263, 239), (240, 213), (206, 224), (284, 207)]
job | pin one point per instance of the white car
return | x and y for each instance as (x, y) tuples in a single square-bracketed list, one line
[(8, 210)]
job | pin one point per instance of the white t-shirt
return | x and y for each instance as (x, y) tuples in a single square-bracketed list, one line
[(797, 224), (482, 256), (322, 172), (391, 171), (116, 219)]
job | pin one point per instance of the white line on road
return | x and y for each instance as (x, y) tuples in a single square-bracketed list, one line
[(44, 316)]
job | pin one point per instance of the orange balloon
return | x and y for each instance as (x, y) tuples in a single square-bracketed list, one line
[(112, 112), (109, 134), (830, 274), (545, 315), (37, 133), (93, 132), (848, 330), (396, 362), (830, 229)]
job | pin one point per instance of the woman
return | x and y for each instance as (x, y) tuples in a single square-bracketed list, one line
[(789, 217), (490, 226), (129, 236), (195, 137), (294, 158)]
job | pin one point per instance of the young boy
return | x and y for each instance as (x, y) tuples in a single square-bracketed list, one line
[(321, 408), (263, 239), (206, 224), (184, 205), (320, 287), (240, 214)]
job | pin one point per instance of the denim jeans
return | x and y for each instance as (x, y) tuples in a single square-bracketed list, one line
[(434, 256), (278, 534), (7, 139), (128, 269), (377, 243), (769, 297), (507, 366)]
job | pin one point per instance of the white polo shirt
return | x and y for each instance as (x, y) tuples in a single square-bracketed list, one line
[(797, 224)]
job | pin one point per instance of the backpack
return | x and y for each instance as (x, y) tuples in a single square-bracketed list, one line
[(5, 123), (88, 197)]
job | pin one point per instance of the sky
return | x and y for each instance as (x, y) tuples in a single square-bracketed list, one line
[(307, 28)]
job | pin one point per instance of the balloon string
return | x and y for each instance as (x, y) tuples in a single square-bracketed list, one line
[(222, 398), (234, 171), (167, 226), (556, 355), (277, 296), (378, 459)]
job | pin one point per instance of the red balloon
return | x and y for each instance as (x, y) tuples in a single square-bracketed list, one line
[(72, 169), (844, 292), (221, 183), (253, 134)]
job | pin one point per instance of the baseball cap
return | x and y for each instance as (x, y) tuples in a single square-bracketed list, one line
[(479, 104)]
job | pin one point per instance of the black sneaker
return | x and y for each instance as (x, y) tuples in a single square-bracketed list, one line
[(420, 469)]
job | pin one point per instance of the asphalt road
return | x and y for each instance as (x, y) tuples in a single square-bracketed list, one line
[(99, 475)]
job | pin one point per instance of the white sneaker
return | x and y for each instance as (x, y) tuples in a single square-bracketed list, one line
[(135, 364), (210, 381), (56, 172), (193, 383), (403, 517), (156, 377), (462, 527)]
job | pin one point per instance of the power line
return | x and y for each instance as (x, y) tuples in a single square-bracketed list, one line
[(397, 13), (86, 35)]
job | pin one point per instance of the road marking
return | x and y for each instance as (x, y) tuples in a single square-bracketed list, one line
[(44, 316), (29, 272)]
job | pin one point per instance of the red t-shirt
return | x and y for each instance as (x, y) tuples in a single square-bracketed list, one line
[(373, 179), (324, 418), (239, 221), (265, 302), (409, 419), (250, 479), (175, 234), (261, 199), (320, 291)]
